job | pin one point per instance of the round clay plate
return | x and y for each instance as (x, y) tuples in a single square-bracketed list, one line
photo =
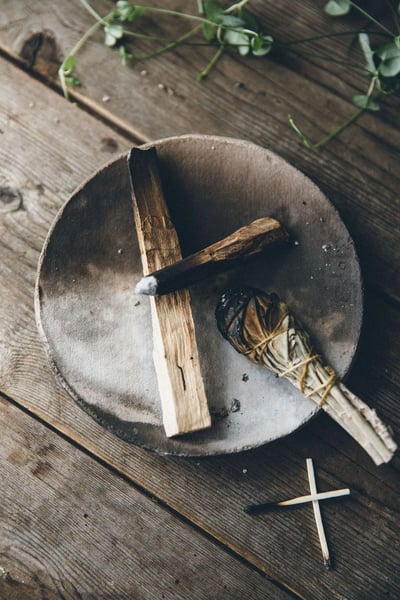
[(98, 334)]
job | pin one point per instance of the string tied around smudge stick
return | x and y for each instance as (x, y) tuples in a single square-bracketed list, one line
[(261, 326)]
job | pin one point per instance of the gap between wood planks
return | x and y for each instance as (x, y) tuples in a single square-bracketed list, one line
[(120, 126), (94, 109), (249, 561)]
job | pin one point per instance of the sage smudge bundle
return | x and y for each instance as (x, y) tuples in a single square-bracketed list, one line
[(261, 327)]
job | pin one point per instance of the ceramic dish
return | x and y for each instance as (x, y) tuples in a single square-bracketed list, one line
[(97, 332)]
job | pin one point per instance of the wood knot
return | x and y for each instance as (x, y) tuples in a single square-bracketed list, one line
[(40, 51), (108, 144), (10, 200)]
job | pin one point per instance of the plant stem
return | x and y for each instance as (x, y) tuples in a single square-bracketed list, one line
[(94, 14), (176, 13), (340, 129), (307, 142), (315, 38), (323, 58), (75, 49), (394, 14), (170, 45), (203, 74), (371, 18), (236, 6)]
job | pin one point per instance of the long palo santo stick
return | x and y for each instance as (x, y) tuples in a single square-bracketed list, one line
[(242, 243), (176, 360)]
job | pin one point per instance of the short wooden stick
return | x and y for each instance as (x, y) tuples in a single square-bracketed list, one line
[(242, 243), (256, 508), (317, 514), (175, 353)]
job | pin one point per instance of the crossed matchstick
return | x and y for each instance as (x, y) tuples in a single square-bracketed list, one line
[(315, 498)]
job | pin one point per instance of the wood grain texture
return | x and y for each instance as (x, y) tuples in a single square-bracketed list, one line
[(71, 529), (358, 171), (175, 353), (41, 162)]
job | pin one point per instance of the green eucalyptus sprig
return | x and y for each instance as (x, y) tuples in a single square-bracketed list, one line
[(223, 28), (235, 27), (382, 67)]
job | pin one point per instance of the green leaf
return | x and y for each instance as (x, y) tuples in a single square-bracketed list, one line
[(69, 64), (365, 102), (112, 34), (261, 44), (390, 67), (337, 8), (208, 32), (390, 60), (231, 21), (397, 41), (72, 81), (239, 39), (126, 11), (125, 55), (367, 51), (213, 11)]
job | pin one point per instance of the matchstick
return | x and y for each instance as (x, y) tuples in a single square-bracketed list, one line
[(244, 242), (314, 498), (175, 352), (317, 514), (267, 506)]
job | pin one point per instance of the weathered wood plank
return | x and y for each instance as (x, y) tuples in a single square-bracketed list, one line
[(43, 165), (358, 171), (71, 529)]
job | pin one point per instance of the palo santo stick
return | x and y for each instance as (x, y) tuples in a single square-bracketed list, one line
[(244, 242), (176, 360), (266, 506), (317, 514)]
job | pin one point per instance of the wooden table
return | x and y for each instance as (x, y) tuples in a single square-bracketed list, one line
[(86, 515)]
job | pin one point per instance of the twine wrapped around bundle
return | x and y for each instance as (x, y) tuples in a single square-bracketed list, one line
[(260, 326)]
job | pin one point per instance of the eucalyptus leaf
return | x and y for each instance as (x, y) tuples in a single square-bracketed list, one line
[(261, 44), (363, 38), (390, 60), (112, 34), (390, 67), (208, 31), (337, 8), (126, 11), (239, 39), (231, 21), (365, 102), (72, 81), (213, 11)]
